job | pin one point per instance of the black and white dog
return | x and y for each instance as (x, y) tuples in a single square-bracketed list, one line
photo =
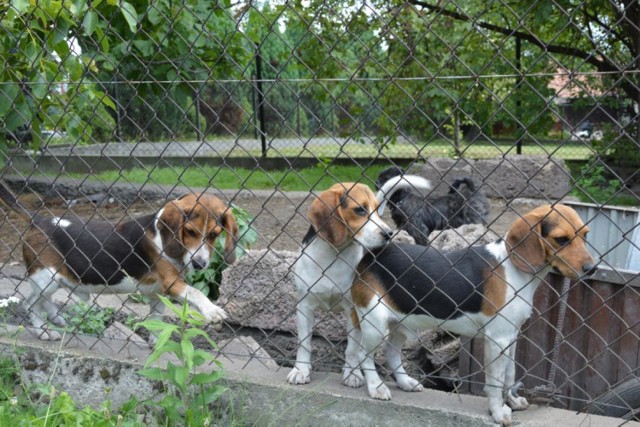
[(419, 215)]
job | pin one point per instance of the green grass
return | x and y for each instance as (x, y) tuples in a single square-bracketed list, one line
[(254, 179)]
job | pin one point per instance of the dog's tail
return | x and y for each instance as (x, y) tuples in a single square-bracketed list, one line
[(400, 182), (10, 201), (460, 181)]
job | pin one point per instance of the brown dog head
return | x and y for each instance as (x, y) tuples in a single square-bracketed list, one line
[(190, 226), (550, 235), (346, 212)]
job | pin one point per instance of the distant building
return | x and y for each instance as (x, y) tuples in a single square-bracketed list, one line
[(585, 108)]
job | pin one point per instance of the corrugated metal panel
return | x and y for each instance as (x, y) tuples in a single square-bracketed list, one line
[(614, 233)]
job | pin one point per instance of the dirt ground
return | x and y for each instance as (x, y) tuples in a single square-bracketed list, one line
[(279, 218), (280, 221)]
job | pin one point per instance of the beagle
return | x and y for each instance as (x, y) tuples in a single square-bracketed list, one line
[(483, 289), (344, 224), (147, 253)]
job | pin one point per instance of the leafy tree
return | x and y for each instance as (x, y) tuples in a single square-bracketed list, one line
[(575, 35), (45, 84), (160, 56)]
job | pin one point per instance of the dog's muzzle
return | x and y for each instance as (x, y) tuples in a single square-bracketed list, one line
[(589, 269), (198, 264)]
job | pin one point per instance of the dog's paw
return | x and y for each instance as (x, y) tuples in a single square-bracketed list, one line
[(49, 335), (410, 384), (380, 391), (516, 403), (58, 320), (299, 376), (502, 415), (215, 315), (352, 377)]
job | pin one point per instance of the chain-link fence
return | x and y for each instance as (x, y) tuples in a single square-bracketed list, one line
[(113, 110)]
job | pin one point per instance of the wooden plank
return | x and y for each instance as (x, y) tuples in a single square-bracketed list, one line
[(573, 346), (629, 342), (598, 324)]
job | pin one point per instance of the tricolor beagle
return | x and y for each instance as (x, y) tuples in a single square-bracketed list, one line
[(344, 224), (484, 289), (148, 253)]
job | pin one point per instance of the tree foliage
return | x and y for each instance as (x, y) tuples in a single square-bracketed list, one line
[(154, 69), (44, 82)]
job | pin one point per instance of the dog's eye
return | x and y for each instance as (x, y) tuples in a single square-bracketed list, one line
[(213, 236), (190, 232), (561, 241), (360, 211)]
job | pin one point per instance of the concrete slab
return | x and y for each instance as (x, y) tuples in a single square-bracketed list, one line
[(259, 390)]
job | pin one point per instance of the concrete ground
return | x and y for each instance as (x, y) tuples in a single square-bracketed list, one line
[(87, 367)]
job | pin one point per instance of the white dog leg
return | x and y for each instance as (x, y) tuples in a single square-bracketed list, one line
[(301, 372), (515, 402), (372, 325), (351, 373), (393, 353), (495, 361)]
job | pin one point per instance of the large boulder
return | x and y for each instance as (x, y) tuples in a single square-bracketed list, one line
[(258, 291)]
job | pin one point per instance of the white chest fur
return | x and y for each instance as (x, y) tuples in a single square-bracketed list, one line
[(326, 274)]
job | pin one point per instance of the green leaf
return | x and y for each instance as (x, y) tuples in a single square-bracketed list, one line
[(40, 87), (74, 68), (205, 378), (180, 375), (8, 93), (187, 352), (104, 41), (212, 394), (90, 22), (19, 115), (106, 100), (146, 47), (20, 5), (156, 325), (153, 373), (169, 347), (130, 15)]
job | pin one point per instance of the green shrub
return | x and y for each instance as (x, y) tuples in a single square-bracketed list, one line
[(188, 390), (86, 319)]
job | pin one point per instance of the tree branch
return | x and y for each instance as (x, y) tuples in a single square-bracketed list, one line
[(565, 50), (601, 62)]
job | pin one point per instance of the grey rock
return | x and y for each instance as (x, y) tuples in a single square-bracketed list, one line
[(258, 291), (461, 237)]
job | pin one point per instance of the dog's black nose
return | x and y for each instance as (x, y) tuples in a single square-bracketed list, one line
[(387, 234), (198, 264), (589, 269)]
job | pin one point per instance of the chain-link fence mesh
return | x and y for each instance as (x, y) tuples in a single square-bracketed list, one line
[(111, 110)]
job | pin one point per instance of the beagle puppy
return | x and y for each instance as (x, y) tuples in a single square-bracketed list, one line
[(344, 224), (489, 289), (148, 254)]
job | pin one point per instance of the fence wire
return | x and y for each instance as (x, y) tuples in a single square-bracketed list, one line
[(111, 112)]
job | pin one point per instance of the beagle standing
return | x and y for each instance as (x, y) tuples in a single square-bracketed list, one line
[(484, 289), (344, 224), (147, 253)]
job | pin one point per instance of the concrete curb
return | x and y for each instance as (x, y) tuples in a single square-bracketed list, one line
[(85, 367)]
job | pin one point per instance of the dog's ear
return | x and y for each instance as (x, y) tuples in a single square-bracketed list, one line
[(170, 225), (230, 226), (525, 245), (325, 214)]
